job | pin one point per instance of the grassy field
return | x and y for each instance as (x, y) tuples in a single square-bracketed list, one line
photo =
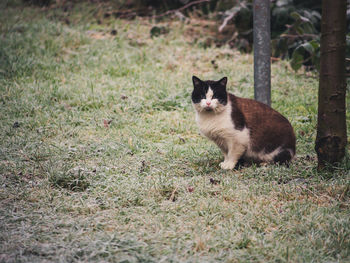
[(101, 159)]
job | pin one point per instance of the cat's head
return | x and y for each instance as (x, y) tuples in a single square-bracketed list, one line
[(209, 95)]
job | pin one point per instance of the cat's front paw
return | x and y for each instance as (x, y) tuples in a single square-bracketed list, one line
[(227, 165)]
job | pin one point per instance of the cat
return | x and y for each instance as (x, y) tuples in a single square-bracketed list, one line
[(244, 129)]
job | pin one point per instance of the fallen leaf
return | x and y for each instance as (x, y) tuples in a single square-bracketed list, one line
[(106, 123)]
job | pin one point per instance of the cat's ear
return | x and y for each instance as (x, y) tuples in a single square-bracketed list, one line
[(223, 81), (196, 81)]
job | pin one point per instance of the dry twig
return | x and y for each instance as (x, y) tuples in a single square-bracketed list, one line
[(181, 8)]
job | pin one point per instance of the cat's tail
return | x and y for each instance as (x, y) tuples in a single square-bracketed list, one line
[(284, 157)]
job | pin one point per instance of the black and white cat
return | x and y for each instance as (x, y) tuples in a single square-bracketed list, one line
[(242, 128)]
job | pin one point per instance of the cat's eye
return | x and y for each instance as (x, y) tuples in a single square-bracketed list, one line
[(216, 97)]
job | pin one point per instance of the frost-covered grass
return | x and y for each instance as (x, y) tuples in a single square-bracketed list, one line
[(101, 160)]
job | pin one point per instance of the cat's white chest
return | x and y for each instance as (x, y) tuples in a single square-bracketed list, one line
[(214, 125), (220, 128)]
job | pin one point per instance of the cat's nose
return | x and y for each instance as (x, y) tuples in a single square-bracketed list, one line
[(208, 103)]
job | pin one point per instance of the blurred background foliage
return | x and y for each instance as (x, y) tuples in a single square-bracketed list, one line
[(295, 24)]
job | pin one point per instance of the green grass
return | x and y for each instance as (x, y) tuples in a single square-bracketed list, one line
[(101, 159)]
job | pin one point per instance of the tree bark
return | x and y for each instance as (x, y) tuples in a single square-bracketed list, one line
[(331, 123)]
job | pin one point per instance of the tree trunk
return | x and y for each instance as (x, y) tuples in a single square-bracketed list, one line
[(331, 123), (262, 51)]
